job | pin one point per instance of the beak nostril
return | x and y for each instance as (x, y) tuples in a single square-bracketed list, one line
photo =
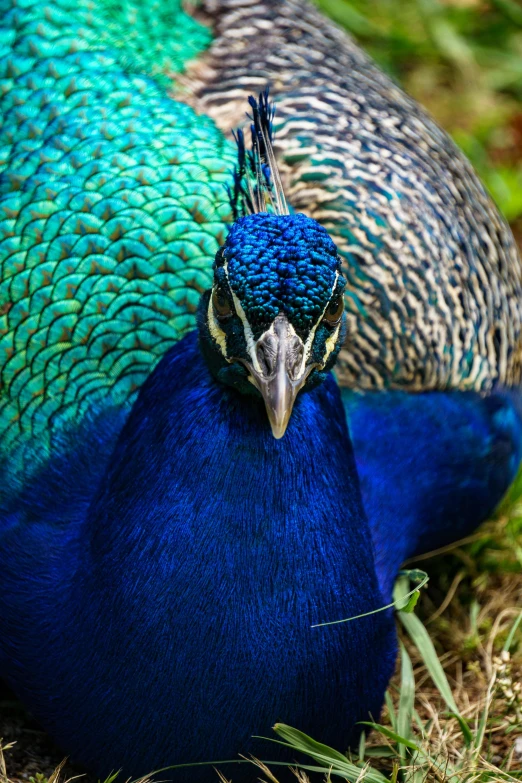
[(283, 347), (267, 355), (294, 358)]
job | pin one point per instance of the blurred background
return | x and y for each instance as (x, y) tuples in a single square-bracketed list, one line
[(461, 59)]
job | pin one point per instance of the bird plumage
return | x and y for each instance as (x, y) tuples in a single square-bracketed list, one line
[(163, 556), (432, 466), (434, 278), (113, 204), (170, 618)]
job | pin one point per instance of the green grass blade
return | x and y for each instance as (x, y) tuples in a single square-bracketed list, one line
[(362, 747), (406, 699), (511, 635), (322, 770), (331, 759), (391, 710), (465, 729), (483, 722), (392, 735), (111, 778), (405, 603), (419, 636), (380, 752), (305, 744)]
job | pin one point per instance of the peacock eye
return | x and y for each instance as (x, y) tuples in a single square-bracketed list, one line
[(221, 305), (334, 311)]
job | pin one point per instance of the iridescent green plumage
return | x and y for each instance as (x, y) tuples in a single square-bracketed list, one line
[(112, 206)]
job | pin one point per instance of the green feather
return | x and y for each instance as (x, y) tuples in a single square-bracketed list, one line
[(112, 207)]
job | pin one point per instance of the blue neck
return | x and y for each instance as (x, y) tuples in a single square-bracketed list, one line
[(196, 459)]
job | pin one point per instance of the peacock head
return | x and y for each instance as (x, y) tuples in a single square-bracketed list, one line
[(273, 322)]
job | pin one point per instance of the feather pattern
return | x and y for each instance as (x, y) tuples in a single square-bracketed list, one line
[(434, 278), (112, 206), (159, 584)]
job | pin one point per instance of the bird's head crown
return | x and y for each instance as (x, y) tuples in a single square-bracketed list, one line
[(274, 319)]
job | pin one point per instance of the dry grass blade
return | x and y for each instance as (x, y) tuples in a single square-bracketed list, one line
[(264, 769), (55, 775), (3, 769)]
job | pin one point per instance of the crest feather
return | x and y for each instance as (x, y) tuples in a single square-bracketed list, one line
[(257, 182)]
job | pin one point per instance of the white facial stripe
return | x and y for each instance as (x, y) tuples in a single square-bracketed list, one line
[(215, 330), (311, 336), (330, 343), (247, 329)]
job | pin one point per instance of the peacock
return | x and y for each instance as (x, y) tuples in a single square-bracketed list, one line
[(186, 487)]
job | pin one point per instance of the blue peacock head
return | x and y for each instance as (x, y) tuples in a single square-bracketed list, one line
[(273, 322)]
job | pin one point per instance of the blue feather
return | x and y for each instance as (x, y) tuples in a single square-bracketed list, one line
[(432, 466), (176, 604)]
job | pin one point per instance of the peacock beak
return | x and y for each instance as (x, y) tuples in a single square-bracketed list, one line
[(279, 371)]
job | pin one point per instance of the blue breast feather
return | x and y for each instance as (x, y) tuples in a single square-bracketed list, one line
[(169, 587)]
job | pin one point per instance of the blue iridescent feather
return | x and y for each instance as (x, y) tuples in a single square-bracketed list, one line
[(180, 582), (432, 466)]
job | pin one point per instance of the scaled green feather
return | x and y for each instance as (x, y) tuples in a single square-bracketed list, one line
[(112, 206)]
